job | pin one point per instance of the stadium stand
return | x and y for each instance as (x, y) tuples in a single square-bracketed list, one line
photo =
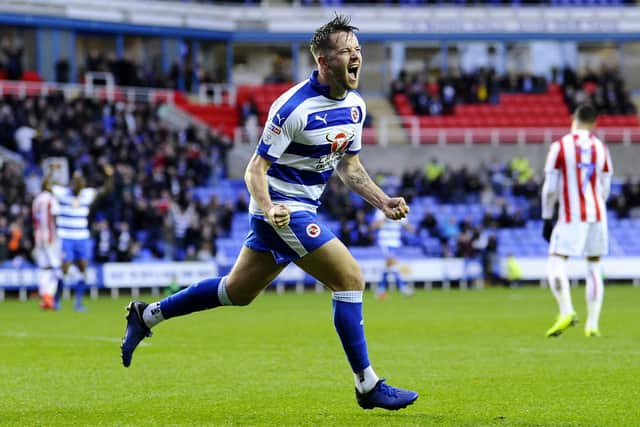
[(481, 100), (172, 187)]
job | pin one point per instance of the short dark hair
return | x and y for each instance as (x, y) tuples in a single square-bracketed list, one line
[(585, 113), (320, 40)]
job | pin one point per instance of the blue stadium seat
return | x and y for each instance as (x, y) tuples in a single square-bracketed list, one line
[(366, 252)]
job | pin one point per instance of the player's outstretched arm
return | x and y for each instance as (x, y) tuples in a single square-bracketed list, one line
[(353, 174)]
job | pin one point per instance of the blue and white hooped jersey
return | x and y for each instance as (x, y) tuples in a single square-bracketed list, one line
[(390, 232), (307, 133), (73, 219)]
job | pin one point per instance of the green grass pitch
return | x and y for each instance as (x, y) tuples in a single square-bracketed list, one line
[(477, 358)]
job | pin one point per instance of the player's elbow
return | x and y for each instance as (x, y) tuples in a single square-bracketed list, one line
[(250, 172)]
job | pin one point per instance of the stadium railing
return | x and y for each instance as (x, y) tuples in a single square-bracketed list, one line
[(391, 130), (88, 89)]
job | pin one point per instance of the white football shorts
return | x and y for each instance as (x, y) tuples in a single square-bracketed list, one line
[(582, 239), (49, 255)]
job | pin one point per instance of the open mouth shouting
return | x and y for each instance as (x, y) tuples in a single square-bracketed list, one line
[(352, 71)]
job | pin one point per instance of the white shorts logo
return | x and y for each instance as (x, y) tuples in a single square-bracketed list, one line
[(313, 230)]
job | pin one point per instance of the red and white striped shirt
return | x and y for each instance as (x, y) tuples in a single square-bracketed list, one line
[(578, 173), (44, 210)]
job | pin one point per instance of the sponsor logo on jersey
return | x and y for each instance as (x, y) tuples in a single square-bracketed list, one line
[(339, 141), (271, 131), (280, 119), (313, 230), (275, 129), (322, 119)]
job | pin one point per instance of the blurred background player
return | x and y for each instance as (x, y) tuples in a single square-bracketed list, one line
[(47, 246), (578, 173), (389, 239), (73, 226)]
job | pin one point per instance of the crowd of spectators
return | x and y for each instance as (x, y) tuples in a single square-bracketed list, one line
[(508, 193), (604, 89), (153, 208), (156, 169), (182, 75), (494, 187), (125, 70), (436, 93)]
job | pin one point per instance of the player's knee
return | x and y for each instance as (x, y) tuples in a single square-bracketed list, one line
[(352, 281), (239, 297), (242, 300)]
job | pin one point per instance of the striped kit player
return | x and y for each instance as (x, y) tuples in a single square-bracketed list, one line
[(578, 173)]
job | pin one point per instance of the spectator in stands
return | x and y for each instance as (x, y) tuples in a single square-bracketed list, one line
[(241, 203), (175, 76), (4, 244), (346, 232), (433, 172), (488, 246), (450, 230), (249, 120), (24, 137), (205, 252), (124, 243), (280, 70), (400, 84), (103, 241), (448, 95), (182, 216), (15, 245), (62, 70), (429, 223), (337, 201), (94, 62), (513, 272), (363, 234), (13, 58)]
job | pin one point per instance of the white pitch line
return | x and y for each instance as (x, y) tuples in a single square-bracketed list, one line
[(66, 337)]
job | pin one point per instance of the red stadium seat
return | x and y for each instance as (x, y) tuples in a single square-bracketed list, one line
[(31, 76)]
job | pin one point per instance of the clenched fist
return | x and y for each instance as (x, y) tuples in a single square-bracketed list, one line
[(279, 216), (396, 208)]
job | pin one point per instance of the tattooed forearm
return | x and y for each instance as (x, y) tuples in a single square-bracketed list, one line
[(357, 179)]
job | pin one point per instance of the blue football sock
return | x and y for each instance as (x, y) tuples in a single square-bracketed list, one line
[(58, 295), (347, 318), (200, 296), (384, 283), (80, 289)]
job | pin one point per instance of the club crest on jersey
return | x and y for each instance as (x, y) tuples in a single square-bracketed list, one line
[(313, 230), (355, 114), (339, 141)]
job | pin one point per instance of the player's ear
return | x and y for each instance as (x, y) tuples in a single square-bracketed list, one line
[(322, 61)]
